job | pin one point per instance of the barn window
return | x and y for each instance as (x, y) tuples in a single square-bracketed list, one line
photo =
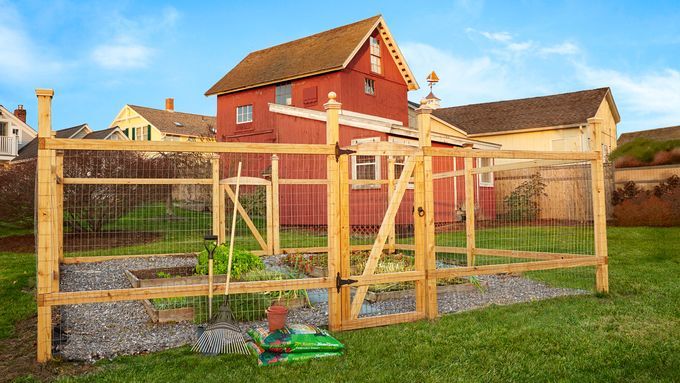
[(365, 167), (369, 86), (375, 55), (284, 94), (244, 113), (485, 179)]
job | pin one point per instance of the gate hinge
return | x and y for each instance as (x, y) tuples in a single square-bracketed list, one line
[(339, 282), (339, 151)]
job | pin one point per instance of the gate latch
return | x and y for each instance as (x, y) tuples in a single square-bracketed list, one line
[(339, 282), (339, 151)]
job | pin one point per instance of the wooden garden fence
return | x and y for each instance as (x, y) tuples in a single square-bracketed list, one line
[(420, 178)]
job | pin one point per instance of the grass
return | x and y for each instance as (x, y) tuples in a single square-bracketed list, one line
[(631, 334), (8, 229)]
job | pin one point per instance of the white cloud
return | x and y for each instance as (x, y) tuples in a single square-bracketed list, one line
[(645, 101), (520, 47), (464, 80), (565, 48), (129, 48), (122, 55), (22, 59), (497, 36)]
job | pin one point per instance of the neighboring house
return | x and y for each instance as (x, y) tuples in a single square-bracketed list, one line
[(140, 123), (553, 123), (659, 134), (14, 132), (277, 95), (82, 131)]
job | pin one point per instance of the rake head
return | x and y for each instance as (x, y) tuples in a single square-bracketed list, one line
[(222, 337)]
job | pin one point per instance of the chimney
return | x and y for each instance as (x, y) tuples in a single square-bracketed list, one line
[(170, 104), (20, 112)]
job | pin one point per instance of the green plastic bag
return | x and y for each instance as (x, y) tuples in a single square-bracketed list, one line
[(295, 338), (268, 358)]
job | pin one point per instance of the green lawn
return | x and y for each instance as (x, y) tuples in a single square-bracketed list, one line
[(632, 334)]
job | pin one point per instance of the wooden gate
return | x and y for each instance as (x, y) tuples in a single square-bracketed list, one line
[(355, 281)]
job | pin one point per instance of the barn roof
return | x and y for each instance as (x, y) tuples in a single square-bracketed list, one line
[(659, 134), (566, 109), (319, 53), (178, 123)]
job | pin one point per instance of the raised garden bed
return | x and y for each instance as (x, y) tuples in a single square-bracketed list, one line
[(168, 315), (167, 311), (380, 296)]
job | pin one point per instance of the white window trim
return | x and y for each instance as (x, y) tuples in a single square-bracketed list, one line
[(358, 141), (377, 56), (251, 113), (404, 141), (479, 176)]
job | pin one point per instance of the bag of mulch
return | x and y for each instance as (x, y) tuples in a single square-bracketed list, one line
[(269, 358), (295, 338)]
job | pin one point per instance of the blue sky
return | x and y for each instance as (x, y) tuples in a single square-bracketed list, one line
[(99, 56)]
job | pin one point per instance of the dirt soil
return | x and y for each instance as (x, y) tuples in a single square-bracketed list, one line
[(17, 357), (81, 241)]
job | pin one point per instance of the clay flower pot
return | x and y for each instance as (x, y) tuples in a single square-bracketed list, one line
[(276, 316)]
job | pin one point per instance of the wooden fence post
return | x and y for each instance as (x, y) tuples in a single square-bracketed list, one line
[(424, 126), (391, 240), (276, 213), (332, 138), (217, 199), (60, 208), (470, 211), (345, 270), (599, 206), (45, 246)]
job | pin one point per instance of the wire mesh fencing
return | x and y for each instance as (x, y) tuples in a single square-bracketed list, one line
[(133, 274)]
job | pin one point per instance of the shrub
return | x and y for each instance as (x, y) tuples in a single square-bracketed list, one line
[(17, 188), (523, 203), (243, 262), (660, 207)]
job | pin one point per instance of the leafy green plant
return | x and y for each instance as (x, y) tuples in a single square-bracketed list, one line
[(163, 274), (243, 262), (523, 203)]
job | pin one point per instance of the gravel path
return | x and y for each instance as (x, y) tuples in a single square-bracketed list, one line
[(106, 330)]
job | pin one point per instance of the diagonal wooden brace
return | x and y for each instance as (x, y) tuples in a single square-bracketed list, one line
[(246, 218)]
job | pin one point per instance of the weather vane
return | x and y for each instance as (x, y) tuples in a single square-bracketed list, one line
[(432, 79)]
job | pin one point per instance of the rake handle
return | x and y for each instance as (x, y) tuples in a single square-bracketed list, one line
[(233, 229)]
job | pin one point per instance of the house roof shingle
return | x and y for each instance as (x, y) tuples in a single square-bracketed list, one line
[(321, 52), (528, 113), (186, 124), (30, 150), (100, 134), (659, 134)]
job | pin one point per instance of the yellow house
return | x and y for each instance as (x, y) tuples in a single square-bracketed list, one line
[(140, 123), (552, 123)]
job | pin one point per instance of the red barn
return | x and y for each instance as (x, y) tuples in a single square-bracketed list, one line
[(277, 95)]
